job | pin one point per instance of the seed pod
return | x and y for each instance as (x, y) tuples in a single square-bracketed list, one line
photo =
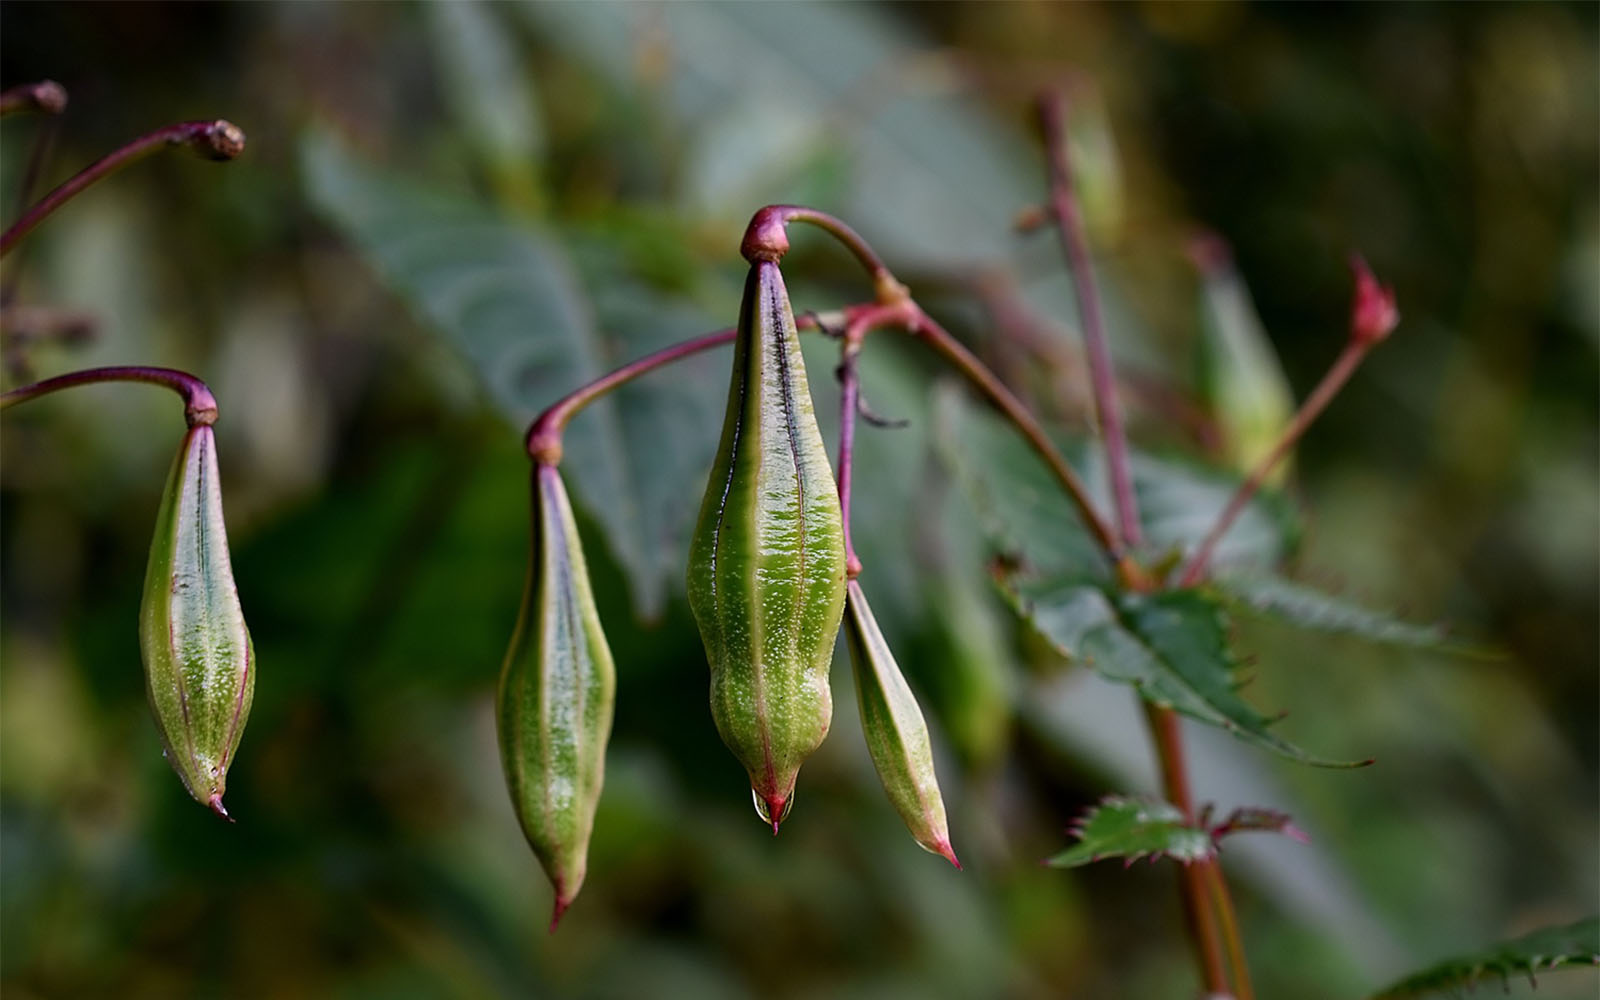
[(766, 564), (555, 698), (897, 736), (1241, 380), (199, 663)]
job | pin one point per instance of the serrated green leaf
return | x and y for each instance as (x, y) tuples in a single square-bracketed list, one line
[(1132, 829), (1572, 946), (1275, 597), (1172, 647), (1027, 516), (508, 298)]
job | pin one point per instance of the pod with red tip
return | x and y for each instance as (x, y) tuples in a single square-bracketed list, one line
[(897, 736), (556, 695), (766, 562), (198, 658)]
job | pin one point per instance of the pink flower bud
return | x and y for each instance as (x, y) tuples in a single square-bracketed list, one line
[(1372, 312)]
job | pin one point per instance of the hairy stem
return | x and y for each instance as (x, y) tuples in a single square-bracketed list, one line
[(217, 140), (199, 406), (1343, 367), (1069, 225)]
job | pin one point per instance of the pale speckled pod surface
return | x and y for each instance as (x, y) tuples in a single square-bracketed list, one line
[(767, 563), (897, 736), (198, 659), (556, 695)]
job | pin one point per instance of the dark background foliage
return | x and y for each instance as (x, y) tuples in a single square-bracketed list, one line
[(377, 494)]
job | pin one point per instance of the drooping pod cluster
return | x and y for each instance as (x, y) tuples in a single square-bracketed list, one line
[(198, 658), (555, 698), (766, 563), (767, 584)]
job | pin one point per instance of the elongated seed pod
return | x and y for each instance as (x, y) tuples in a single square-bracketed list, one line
[(897, 736), (557, 690), (766, 564), (199, 663)]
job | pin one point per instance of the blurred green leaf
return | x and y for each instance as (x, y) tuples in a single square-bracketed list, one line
[(1133, 828), (1027, 516), (509, 299), (1171, 646), (1275, 597), (488, 86), (1572, 946)]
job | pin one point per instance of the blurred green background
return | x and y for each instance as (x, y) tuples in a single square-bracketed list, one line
[(448, 213)]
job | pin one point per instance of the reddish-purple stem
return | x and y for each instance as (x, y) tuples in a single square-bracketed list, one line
[(199, 406), (543, 439), (1343, 367), (849, 399), (1069, 224), (217, 140), (862, 321), (937, 337)]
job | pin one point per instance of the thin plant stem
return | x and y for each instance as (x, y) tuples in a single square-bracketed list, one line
[(963, 360), (767, 236), (1228, 923), (1167, 735), (1069, 225), (199, 406), (1343, 367), (217, 140), (543, 439), (849, 400), (862, 321)]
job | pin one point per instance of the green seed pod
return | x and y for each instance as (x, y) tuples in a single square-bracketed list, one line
[(1241, 380), (766, 564), (199, 663), (897, 736), (554, 703)]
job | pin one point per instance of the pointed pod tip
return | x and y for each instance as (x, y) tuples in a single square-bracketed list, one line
[(560, 909), (773, 809), (944, 850), (215, 803)]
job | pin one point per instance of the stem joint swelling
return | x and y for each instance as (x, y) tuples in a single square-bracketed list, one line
[(215, 139), (199, 405)]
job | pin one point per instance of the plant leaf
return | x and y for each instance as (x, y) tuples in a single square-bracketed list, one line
[(507, 297), (489, 89), (1172, 647), (923, 171), (1132, 829), (1272, 596), (1571, 946), (1027, 517)]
